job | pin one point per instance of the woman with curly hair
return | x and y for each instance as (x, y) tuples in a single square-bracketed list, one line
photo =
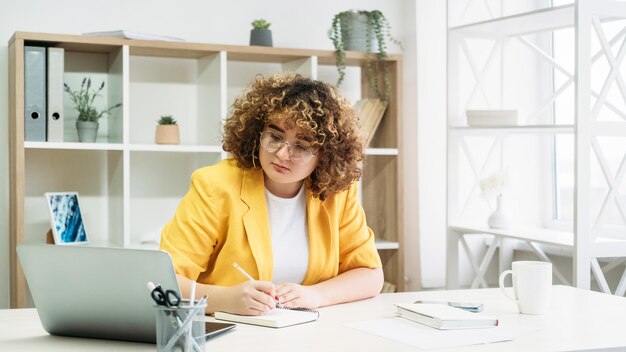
[(284, 206)]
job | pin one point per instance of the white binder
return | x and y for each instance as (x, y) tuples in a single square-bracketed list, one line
[(55, 94), (35, 93)]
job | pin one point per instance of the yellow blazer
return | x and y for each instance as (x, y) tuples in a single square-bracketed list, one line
[(223, 219)]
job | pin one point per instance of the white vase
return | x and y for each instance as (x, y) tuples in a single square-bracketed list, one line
[(499, 219)]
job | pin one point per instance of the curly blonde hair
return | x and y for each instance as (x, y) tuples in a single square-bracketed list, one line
[(323, 116)]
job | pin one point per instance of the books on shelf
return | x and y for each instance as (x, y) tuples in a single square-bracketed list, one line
[(490, 118), (275, 318), (135, 35), (388, 287), (444, 317), (370, 112)]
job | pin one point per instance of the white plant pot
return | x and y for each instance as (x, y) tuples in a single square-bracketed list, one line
[(87, 131), (355, 34)]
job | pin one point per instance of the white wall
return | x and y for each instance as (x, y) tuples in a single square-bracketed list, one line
[(295, 24), (431, 140)]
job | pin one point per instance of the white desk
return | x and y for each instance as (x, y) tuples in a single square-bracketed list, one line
[(578, 320)]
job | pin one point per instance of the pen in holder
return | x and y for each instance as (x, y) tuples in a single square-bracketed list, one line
[(181, 327)]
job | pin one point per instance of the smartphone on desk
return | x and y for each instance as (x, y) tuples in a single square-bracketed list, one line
[(468, 306), (212, 329)]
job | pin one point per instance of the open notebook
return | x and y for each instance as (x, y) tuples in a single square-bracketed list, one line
[(275, 318)]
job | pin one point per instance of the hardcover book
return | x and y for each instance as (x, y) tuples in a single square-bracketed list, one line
[(444, 317)]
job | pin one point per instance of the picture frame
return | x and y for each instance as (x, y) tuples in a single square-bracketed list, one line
[(65, 218)]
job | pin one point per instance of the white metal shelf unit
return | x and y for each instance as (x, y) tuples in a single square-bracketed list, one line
[(589, 238)]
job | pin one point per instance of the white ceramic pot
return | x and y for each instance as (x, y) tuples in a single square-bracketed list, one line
[(87, 131)]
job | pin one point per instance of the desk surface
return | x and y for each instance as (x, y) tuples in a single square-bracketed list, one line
[(577, 320)]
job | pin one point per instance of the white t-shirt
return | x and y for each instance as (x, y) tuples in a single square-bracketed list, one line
[(290, 236)]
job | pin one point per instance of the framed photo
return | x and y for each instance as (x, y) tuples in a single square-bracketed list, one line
[(65, 218)]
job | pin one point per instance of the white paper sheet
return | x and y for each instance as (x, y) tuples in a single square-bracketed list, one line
[(422, 336)]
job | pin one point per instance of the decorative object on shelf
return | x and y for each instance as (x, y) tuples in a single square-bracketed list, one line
[(65, 218), (364, 31), (499, 219), (261, 34), (121, 33), (491, 186), (491, 118), (167, 131), (87, 123)]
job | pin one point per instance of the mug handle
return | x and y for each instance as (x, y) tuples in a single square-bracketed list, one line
[(502, 277)]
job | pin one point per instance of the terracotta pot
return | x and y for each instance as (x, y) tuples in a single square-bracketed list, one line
[(167, 134)]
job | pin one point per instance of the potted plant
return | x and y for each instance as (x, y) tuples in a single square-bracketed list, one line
[(364, 31), (88, 116), (167, 131), (261, 33)]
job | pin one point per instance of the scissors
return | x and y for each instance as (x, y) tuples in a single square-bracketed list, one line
[(166, 298)]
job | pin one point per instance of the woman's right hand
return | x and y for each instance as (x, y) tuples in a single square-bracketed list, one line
[(248, 298)]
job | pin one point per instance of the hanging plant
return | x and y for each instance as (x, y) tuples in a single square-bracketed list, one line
[(376, 28)]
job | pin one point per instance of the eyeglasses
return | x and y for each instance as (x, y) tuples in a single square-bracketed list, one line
[(297, 153)]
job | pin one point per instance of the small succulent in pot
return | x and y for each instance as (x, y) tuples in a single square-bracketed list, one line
[(261, 33), (167, 131)]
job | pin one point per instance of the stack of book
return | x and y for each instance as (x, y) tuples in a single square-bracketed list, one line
[(444, 317), (388, 287), (370, 113), (134, 35)]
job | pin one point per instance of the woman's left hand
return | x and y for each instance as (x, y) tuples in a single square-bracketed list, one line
[(294, 295)]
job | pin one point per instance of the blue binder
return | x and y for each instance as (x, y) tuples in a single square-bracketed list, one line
[(34, 93)]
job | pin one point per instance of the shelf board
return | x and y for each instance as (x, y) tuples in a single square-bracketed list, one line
[(382, 244), (381, 151), (524, 129), (608, 248), (177, 148), (524, 23), (601, 247), (118, 146), (562, 239), (73, 146), (608, 128), (72, 42)]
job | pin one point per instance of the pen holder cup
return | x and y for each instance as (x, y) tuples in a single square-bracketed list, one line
[(180, 328)]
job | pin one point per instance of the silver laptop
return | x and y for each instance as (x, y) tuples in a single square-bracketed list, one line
[(96, 292)]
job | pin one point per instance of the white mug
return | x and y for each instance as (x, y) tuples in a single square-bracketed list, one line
[(532, 283)]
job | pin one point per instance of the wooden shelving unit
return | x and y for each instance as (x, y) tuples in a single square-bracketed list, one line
[(129, 186)]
